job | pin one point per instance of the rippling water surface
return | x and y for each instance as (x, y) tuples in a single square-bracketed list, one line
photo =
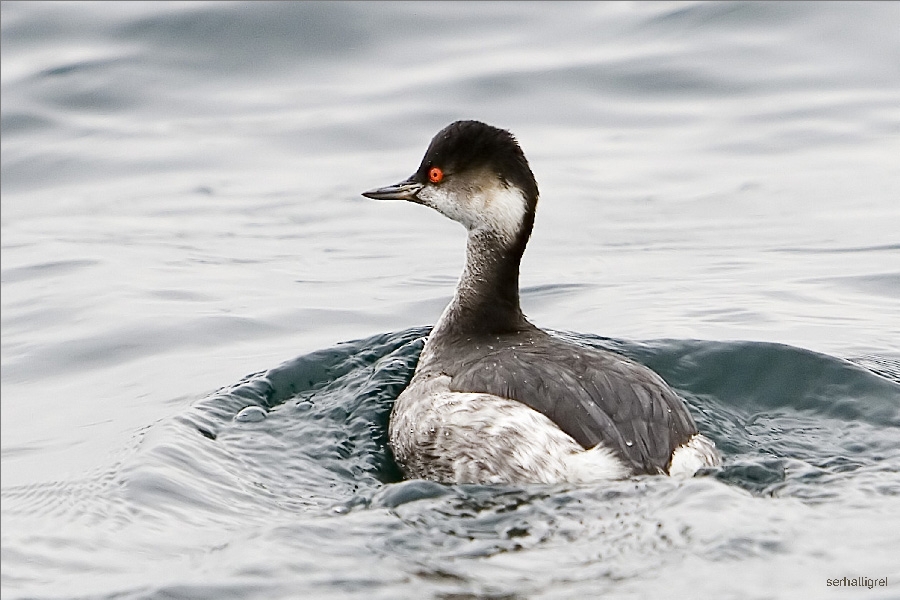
[(180, 207)]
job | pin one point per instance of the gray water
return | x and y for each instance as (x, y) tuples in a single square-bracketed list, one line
[(204, 325)]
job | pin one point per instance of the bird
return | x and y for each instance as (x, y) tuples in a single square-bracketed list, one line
[(496, 400)]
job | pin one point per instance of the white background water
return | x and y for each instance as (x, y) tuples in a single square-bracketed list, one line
[(180, 207)]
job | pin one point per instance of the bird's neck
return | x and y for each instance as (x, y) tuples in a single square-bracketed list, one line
[(487, 295)]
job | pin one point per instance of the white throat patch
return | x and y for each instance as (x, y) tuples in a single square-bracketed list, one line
[(484, 204)]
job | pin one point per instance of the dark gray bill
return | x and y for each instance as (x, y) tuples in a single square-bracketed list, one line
[(405, 190)]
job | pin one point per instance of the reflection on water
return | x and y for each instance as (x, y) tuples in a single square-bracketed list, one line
[(309, 477)]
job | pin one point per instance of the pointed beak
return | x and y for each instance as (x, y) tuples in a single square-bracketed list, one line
[(405, 190)]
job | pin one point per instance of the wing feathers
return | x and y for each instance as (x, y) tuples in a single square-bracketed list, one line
[(592, 395)]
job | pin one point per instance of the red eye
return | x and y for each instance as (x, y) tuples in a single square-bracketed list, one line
[(435, 175)]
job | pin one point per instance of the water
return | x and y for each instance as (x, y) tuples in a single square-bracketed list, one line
[(180, 208)]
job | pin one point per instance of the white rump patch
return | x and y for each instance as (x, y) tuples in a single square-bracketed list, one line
[(698, 453), (594, 465)]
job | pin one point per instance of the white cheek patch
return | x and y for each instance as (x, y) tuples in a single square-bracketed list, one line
[(449, 203), (489, 206), (504, 209)]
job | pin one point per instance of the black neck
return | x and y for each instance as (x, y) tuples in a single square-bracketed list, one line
[(487, 296)]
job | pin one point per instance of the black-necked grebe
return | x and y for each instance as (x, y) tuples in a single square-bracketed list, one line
[(494, 399)]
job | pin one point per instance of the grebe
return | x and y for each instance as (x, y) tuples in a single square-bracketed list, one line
[(494, 399)]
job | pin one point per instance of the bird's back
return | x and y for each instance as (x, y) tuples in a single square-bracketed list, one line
[(593, 395)]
